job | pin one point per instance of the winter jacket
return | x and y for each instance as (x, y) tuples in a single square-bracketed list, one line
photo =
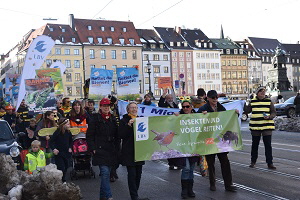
[(126, 133), (102, 136), (297, 103), (162, 103), (62, 142)]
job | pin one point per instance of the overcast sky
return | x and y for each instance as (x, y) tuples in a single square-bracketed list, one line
[(240, 19)]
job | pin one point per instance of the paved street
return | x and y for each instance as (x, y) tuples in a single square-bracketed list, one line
[(158, 183)]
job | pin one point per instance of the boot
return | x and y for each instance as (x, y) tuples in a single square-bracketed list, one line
[(184, 189), (190, 188)]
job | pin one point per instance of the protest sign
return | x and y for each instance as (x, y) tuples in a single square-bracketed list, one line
[(40, 95), (162, 137), (127, 82), (100, 83), (55, 75), (11, 80), (164, 82)]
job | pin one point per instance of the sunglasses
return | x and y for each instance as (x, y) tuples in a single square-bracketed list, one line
[(186, 106), (214, 97)]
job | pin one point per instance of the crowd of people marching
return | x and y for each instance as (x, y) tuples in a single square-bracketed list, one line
[(111, 139)]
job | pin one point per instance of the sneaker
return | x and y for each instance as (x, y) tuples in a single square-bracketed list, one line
[(231, 188), (252, 165), (271, 166)]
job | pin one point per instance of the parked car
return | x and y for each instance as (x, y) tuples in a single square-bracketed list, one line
[(8, 143), (286, 108)]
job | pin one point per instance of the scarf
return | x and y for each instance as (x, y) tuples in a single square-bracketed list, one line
[(132, 116)]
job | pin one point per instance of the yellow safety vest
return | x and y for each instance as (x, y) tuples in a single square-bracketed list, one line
[(36, 163), (257, 121)]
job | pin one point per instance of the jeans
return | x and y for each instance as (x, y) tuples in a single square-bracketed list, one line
[(134, 178), (268, 148), (105, 191), (188, 170)]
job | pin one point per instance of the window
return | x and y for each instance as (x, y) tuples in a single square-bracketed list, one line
[(217, 65), (235, 51), (57, 51), (99, 40), (241, 51), (103, 54), (124, 66), (166, 69), (48, 62), (152, 46), (174, 54), (78, 91), (68, 77), (156, 69), (161, 46), (92, 66), (146, 56), (62, 39), (227, 51), (92, 54), (76, 51), (112, 28), (156, 57), (181, 54), (244, 62), (207, 55), (202, 55), (131, 41), (89, 28), (223, 62), (73, 39), (210, 45), (109, 40), (122, 41), (205, 45), (157, 92), (234, 63), (77, 77), (68, 63), (217, 76), (67, 51), (76, 64), (188, 65), (229, 75), (133, 54), (216, 55), (114, 67), (102, 28), (103, 66), (69, 91), (113, 54), (155, 80), (178, 44), (198, 65), (63, 30), (197, 55), (51, 29), (91, 40), (146, 80), (124, 56), (188, 54), (124, 29), (165, 57), (228, 62)]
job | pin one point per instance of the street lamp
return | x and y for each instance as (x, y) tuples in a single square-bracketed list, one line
[(149, 72)]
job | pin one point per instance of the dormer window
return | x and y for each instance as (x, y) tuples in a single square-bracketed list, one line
[(152, 46), (112, 28), (124, 29), (178, 44), (247, 46), (161, 46), (89, 27), (185, 43), (99, 40), (73, 39), (241, 51), (102, 28), (131, 41), (50, 29), (63, 30), (122, 40), (199, 44), (109, 40), (227, 51), (171, 44), (210, 45), (91, 40), (62, 39), (205, 45), (235, 51)]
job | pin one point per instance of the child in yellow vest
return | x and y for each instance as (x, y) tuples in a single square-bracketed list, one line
[(36, 158)]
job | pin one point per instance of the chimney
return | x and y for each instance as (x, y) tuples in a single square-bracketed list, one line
[(178, 29), (71, 21)]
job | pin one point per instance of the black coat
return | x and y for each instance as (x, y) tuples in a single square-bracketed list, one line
[(102, 136), (297, 103), (126, 133), (162, 103), (62, 142), (208, 108)]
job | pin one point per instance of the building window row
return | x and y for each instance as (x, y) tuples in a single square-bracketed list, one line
[(66, 51), (156, 57), (208, 76)]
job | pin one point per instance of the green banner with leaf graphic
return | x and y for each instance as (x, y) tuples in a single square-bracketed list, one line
[(162, 137)]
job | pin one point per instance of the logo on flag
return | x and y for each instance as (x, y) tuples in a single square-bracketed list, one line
[(39, 46), (142, 132)]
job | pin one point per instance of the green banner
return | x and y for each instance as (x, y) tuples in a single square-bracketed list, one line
[(162, 137), (55, 74)]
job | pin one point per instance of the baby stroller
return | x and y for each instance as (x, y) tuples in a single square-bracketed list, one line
[(81, 157)]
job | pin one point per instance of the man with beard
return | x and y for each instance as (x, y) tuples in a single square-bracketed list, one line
[(147, 100), (166, 100)]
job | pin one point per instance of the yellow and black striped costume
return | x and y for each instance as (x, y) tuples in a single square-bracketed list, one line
[(257, 121)]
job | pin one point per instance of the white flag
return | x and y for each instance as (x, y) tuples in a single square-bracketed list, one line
[(59, 65), (36, 55)]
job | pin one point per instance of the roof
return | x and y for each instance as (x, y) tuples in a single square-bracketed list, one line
[(149, 36), (265, 45), (97, 32), (170, 35), (196, 35), (225, 44), (293, 49)]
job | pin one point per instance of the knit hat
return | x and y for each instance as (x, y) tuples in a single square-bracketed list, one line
[(63, 121), (259, 89)]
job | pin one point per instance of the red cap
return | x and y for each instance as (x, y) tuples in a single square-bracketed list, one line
[(9, 107), (105, 101)]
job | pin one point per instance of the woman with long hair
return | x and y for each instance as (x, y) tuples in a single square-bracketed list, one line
[(78, 117), (126, 133), (61, 144)]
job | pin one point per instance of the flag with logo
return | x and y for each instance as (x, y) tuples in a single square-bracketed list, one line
[(100, 83), (127, 82), (55, 75), (36, 55), (162, 137)]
